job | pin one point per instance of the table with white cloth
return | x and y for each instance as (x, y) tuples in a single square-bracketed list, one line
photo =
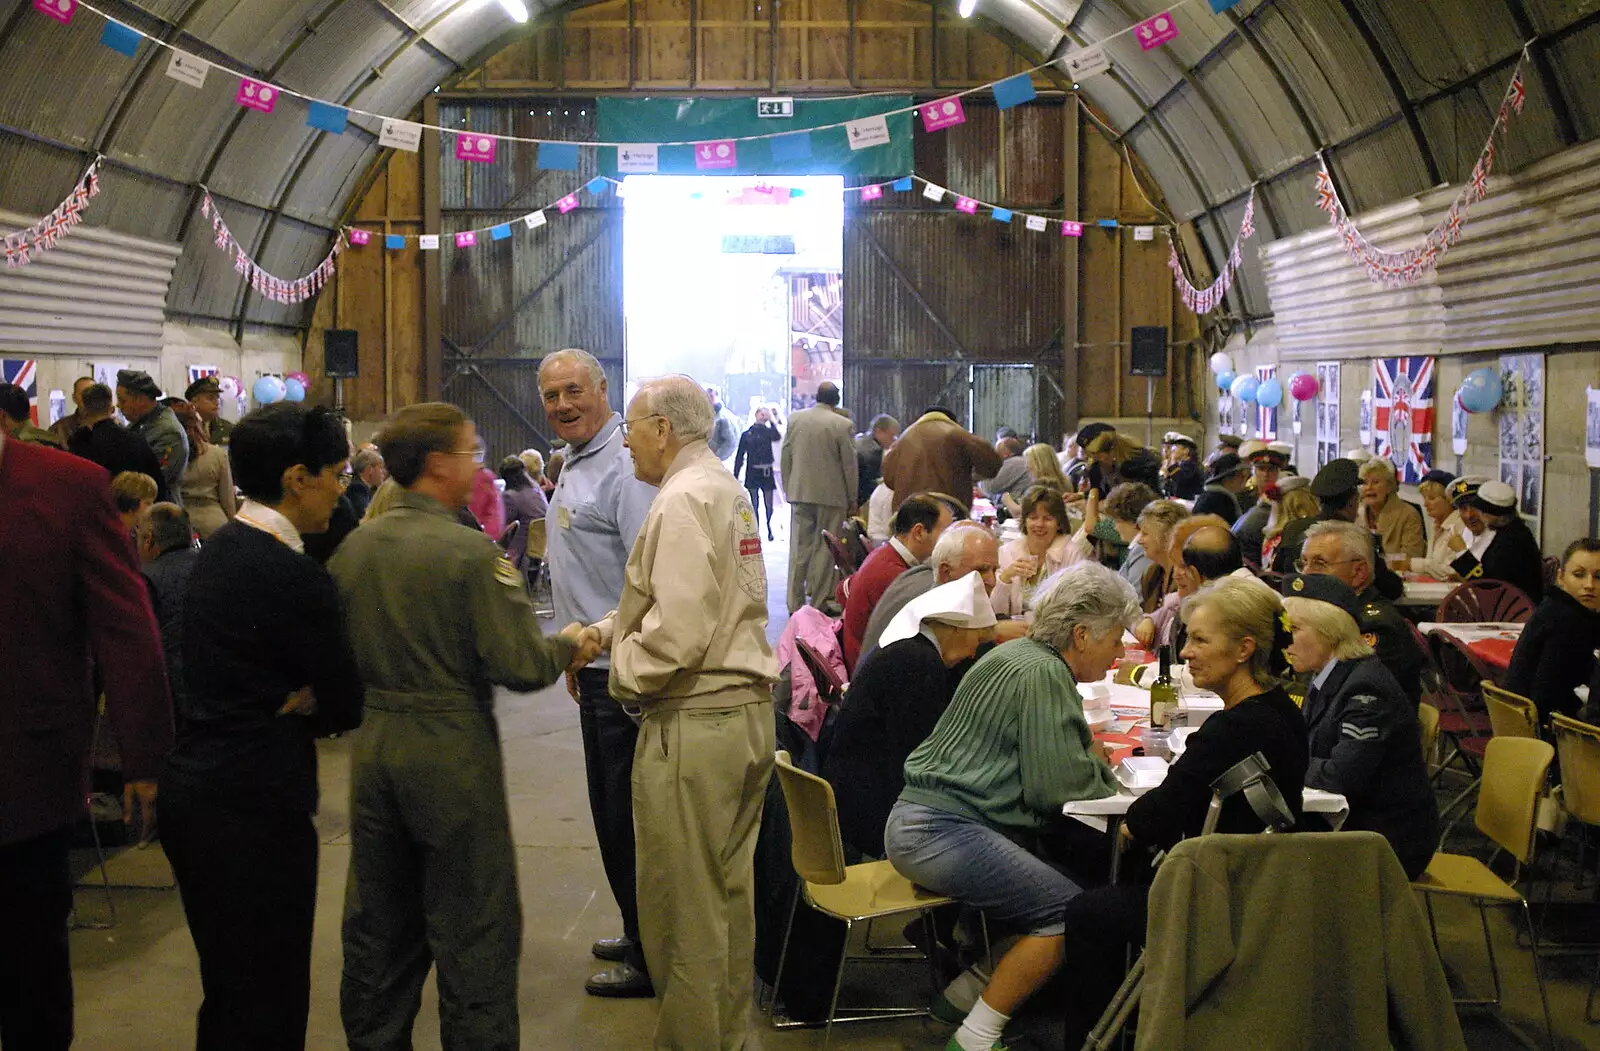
[(1425, 593), (1490, 641)]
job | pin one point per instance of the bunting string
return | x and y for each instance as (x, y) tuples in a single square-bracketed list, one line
[(1396, 269), (20, 247), (267, 284), (1205, 300)]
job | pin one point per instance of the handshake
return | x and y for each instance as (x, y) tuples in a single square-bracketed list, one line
[(587, 644)]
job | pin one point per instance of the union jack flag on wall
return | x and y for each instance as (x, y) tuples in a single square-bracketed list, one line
[(1266, 419), (24, 374), (1402, 426)]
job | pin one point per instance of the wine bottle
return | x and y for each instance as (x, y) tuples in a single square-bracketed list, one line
[(1163, 694)]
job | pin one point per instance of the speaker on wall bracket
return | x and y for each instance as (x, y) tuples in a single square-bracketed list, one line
[(1149, 351), (340, 355)]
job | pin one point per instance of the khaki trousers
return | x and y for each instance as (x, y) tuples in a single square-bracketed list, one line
[(811, 569), (699, 779)]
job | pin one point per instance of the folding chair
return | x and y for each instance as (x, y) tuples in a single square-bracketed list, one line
[(1428, 723), (99, 849), (1578, 745), (537, 570), (1510, 714), (1485, 601), (850, 893), (842, 561), (1249, 776), (1465, 720), (1514, 770)]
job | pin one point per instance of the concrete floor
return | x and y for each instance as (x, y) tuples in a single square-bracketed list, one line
[(138, 985)]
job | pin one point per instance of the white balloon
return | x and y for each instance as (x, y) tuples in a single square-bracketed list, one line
[(1221, 362)]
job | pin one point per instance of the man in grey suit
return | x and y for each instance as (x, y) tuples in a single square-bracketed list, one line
[(819, 479)]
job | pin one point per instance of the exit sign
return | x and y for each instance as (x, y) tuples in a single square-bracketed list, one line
[(775, 107)]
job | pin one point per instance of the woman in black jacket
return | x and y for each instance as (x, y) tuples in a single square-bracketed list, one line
[(1366, 743), (1557, 649), (755, 457), (268, 668)]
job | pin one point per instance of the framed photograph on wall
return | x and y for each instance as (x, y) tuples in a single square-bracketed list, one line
[(1522, 433)]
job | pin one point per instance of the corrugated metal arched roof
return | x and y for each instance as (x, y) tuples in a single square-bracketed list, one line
[(1398, 94)]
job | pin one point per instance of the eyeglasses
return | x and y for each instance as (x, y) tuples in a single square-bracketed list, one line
[(628, 425), (1319, 565)]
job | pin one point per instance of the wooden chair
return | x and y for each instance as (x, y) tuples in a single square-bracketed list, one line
[(1514, 770), (850, 893), (1578, 745), (1485, 601)]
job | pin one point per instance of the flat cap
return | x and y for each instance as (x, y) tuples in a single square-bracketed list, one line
[(1224, 465), (137, 382), (1336, 478), (1324, 588), (1443, 478), (1089, 432), (1497, 498), (203, 385), (1230, 441)]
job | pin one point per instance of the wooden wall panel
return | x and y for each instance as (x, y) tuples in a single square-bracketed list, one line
[(1100, 265)]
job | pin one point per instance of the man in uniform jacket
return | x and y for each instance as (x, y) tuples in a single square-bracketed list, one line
[(61, 536), (16, 418), (1365, 741), (115, 448), (1511, 553), (938, 455), (138, 398), (205, 394), (1267, 463), (689, 654), (1337, 487), (1224, 481), (819, 477), (1183, 480), (438, 619), (1346, 551)]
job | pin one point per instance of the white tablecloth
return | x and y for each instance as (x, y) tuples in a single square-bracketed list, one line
[(1425, 593), (1095, 812), (1468, 632)]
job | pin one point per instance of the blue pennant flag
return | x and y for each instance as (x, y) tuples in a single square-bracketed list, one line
[(1109, 224), (796, 147), (1001, 215), (1220, 6), (394, 241), (558, 156), (120, 39), (795, 191), (1014, 91), (596, 185), (331, 119), (902, 184), (501, 232)]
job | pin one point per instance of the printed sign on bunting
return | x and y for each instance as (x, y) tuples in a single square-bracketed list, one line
[(257, 96), (1402, 423), (479, 148), (1156, 30), (709, 156), (945, 113)]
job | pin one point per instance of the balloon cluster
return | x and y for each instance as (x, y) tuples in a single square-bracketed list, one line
[(292, 387), (1481, 391)]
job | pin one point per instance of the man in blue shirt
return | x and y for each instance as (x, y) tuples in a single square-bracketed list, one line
[(595, 514)]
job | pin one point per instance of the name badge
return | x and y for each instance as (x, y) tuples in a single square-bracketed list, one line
[(564, 516)]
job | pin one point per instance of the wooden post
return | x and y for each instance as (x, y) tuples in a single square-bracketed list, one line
[(1071, 122), (432, 273)]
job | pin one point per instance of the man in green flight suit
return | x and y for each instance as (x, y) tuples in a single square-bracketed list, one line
[(438, 619)]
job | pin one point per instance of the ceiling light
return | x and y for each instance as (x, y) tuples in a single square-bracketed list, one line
[(966, 8), (516, 9)]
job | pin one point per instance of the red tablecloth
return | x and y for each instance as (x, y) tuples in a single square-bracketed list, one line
[(1494, 652)]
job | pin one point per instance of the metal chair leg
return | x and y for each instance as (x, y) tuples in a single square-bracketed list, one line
[(1488, 943), (783, 955), (1588, 1003), (105, 884), (1433, 927), (838, 981), (1538, 976)]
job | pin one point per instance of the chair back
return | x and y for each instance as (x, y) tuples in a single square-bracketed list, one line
[(1514, 770), (1510, 714), (536, 539), (815, 846), (1578, 744), (1479, 601), (1430, 678), (509, 535), (841, 556), (830, 684), (1461, 673), (1549, 569), (1428, 722)]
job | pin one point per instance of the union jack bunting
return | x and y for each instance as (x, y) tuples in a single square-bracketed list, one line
[(1402, 426), (44, 234), (24, 374), (1204, 300), (269, 286)]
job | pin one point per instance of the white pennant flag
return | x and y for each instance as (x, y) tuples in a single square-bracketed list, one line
[(1089, 62), (638, 160), (867, 132), (187, 69), (534, 220), (400, 135), (1035, 222), (932, 192), (428, 242)]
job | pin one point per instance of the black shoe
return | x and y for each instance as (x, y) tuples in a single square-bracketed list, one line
[(622, 981), (614, 950)]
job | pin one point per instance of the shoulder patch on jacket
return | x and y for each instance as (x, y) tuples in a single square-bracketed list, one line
[(506, 573)]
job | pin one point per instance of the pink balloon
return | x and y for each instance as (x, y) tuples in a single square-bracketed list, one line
[(305, 380), (1303, 386)]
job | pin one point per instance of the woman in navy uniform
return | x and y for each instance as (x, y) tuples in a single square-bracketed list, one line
[(1365, 741)]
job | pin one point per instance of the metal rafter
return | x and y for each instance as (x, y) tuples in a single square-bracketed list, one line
[(1392, 78)]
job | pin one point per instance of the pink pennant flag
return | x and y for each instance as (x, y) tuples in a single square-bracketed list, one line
[(871, 192), (478, 148), (466, 238), (257, 96), (1156, 30), (359, 236), (1071, 229), (712, 155), (946, 113), (60, 10), (966, 204), (567, 203)]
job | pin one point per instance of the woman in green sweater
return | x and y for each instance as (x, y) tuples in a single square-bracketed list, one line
[(1011, 749)]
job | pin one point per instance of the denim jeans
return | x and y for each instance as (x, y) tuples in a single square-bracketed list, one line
[(971, 862)]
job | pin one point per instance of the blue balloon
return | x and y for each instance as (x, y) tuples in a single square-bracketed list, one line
[(267, 390), (294, 390), (1269, 395), (1481, 390), (1224, 381), (1244, 388)]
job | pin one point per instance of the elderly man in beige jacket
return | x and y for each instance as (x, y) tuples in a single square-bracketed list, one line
[(689, 654)]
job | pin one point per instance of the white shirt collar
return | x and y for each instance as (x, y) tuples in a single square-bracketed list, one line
[(1478, 544), (905, 552), (264, 518), (1322, 676)]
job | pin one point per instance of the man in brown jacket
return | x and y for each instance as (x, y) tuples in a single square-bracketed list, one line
[(937, 455)]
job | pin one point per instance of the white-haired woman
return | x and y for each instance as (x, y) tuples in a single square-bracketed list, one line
[(1399, 523), (1011, 749), (1365, 742), (1235, 650)]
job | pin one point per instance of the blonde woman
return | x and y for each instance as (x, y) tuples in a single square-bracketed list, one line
[(1445, 521), (1399, 523), (1294, 503), (134, 493), (1045, 469)]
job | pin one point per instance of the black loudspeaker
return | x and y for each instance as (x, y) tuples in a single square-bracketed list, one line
[(339, 355), (1149, 356)]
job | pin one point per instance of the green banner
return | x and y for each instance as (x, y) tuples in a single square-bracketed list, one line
[(807, 152)]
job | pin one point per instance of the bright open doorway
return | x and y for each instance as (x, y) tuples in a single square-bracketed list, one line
[(735, 280)]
